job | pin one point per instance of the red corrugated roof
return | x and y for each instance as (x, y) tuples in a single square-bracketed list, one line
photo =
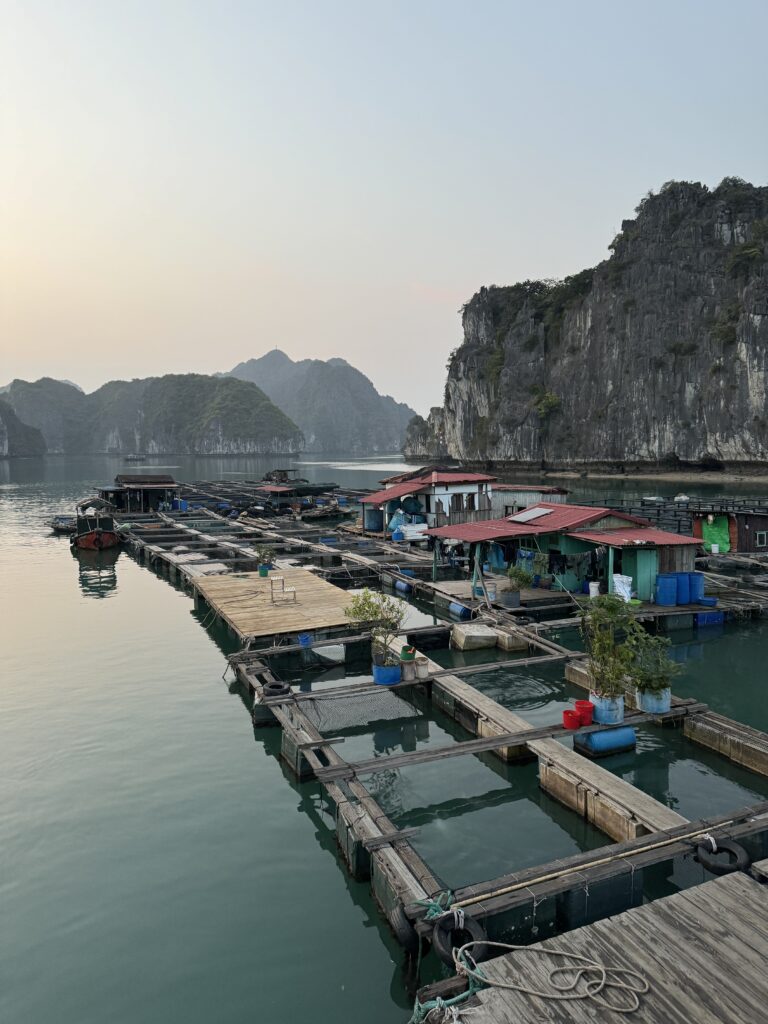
[(396, 491), (275, 489), (567, 517), (489, 529), (620, 538)]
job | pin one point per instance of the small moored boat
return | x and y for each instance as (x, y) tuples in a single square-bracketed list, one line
[(95, 526), (62, 524)]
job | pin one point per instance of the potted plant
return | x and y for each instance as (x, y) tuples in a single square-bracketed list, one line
[(263, 556), (652, 671), (518, 578), (609, 660), (383, 616)]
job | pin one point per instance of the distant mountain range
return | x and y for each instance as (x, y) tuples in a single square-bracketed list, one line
[(336, 407), (176, 414), (265, 405)]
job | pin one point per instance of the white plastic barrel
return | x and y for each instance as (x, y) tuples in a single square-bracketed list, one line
[(594, 590)]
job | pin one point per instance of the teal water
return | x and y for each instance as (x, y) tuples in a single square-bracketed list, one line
[(156, 863)]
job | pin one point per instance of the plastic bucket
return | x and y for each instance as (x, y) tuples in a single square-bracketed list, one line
[(305, 639), (408, 669), (714, 549), (571, 719), (608, 710), (407, 653), (594, 590), (491, 591), (422, 667), (263, 570), (585, 710)]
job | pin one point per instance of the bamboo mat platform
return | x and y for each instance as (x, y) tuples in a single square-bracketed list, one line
[(243, 600), (703, 952)]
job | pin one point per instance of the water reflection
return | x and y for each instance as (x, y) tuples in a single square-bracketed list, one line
[(96, 570)]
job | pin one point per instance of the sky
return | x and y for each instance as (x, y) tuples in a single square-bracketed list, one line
[(185, 185)]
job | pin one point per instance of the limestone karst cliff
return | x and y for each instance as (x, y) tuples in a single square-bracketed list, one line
[(657, 355)]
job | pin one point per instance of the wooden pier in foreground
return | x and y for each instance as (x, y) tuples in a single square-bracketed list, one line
[(703, 953)]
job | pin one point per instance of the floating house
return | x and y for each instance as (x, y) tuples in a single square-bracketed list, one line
[(433, 496), (739, 530), (510, 498), (146, 492), (577, 545)]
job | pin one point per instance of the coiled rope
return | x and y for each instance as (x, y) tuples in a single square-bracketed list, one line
[(598, 979)]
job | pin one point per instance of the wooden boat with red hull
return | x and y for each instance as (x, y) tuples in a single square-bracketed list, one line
[(95, 528)]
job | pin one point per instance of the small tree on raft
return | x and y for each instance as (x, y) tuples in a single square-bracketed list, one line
[(383, 616), (608, 620)]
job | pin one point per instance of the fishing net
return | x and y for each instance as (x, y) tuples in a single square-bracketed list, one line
[(330, 714)]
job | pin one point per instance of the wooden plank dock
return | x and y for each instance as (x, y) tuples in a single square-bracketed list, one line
[(702, 951), (244, 602)]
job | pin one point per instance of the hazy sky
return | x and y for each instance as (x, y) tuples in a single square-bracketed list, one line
[(186, 184)]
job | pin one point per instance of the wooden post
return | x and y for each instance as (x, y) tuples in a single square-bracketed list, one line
[(610, 570)]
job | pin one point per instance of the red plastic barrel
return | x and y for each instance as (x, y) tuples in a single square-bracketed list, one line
[(585, 709), (571, 719)]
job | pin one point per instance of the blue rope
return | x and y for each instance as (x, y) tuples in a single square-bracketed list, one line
[(438, 905)]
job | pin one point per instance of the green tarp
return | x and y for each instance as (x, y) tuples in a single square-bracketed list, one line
[(716, 532)]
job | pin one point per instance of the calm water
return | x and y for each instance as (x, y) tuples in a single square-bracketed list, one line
[(156, 862)]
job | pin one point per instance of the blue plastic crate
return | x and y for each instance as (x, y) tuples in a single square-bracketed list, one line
[(710, 618)]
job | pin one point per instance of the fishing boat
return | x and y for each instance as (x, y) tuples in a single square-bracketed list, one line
[(137, 457), (95, 526), (62, 524)]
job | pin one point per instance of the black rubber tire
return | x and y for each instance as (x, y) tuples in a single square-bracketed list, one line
[(404, 931), (276, 689), (446, 937), (738, 858)]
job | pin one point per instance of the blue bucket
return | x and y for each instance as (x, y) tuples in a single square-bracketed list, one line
[(305, 639)]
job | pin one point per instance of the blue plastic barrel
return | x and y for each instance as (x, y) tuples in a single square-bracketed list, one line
[(683, 588), (305, 639), (398, 535), (403, 587), (459, 610), (666, 589), (696, 583), (609, 741)]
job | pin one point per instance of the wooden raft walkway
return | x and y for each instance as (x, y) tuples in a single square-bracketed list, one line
[(244, 601), (703, 951)]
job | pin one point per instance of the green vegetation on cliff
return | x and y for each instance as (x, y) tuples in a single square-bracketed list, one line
[(178, 413)]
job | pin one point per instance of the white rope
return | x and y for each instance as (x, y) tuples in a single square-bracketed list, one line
[(597, 978), (709, 839)]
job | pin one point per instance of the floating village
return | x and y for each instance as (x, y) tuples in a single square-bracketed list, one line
[(313, 585)]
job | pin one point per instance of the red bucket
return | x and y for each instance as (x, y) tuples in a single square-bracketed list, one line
[(585, 709), (571, 719)]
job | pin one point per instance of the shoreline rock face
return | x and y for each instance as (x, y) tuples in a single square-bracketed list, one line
[(179, 414), (17, 439), (658, 356)]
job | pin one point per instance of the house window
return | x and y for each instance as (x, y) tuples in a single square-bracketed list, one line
[(761, 538), (470, 503)]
